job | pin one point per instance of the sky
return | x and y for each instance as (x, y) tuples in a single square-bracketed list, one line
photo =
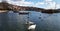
[(47, 4)]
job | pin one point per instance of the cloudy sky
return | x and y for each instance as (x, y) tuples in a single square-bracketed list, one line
[(48, 4)]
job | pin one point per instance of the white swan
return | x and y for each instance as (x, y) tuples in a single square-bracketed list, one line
[(32, 27)]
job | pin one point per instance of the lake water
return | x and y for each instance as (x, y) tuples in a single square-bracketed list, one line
[(15, 22)]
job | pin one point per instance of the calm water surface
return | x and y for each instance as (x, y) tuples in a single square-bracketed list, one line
[(15, 22)]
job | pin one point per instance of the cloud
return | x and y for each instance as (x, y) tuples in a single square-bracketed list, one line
[(39, 3), (25, 3), (15, 0), (0, 0), (21, 3), (53, 5), (47, 4), (50, 5), (48, 0), (58, 6)]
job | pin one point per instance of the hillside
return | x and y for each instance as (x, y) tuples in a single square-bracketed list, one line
[(7, 6)]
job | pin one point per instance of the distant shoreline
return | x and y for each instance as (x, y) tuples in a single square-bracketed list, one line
[(2, 11)]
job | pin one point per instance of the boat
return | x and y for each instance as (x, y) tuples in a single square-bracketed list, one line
[(15, 11), (50, 11), (23, 12)]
